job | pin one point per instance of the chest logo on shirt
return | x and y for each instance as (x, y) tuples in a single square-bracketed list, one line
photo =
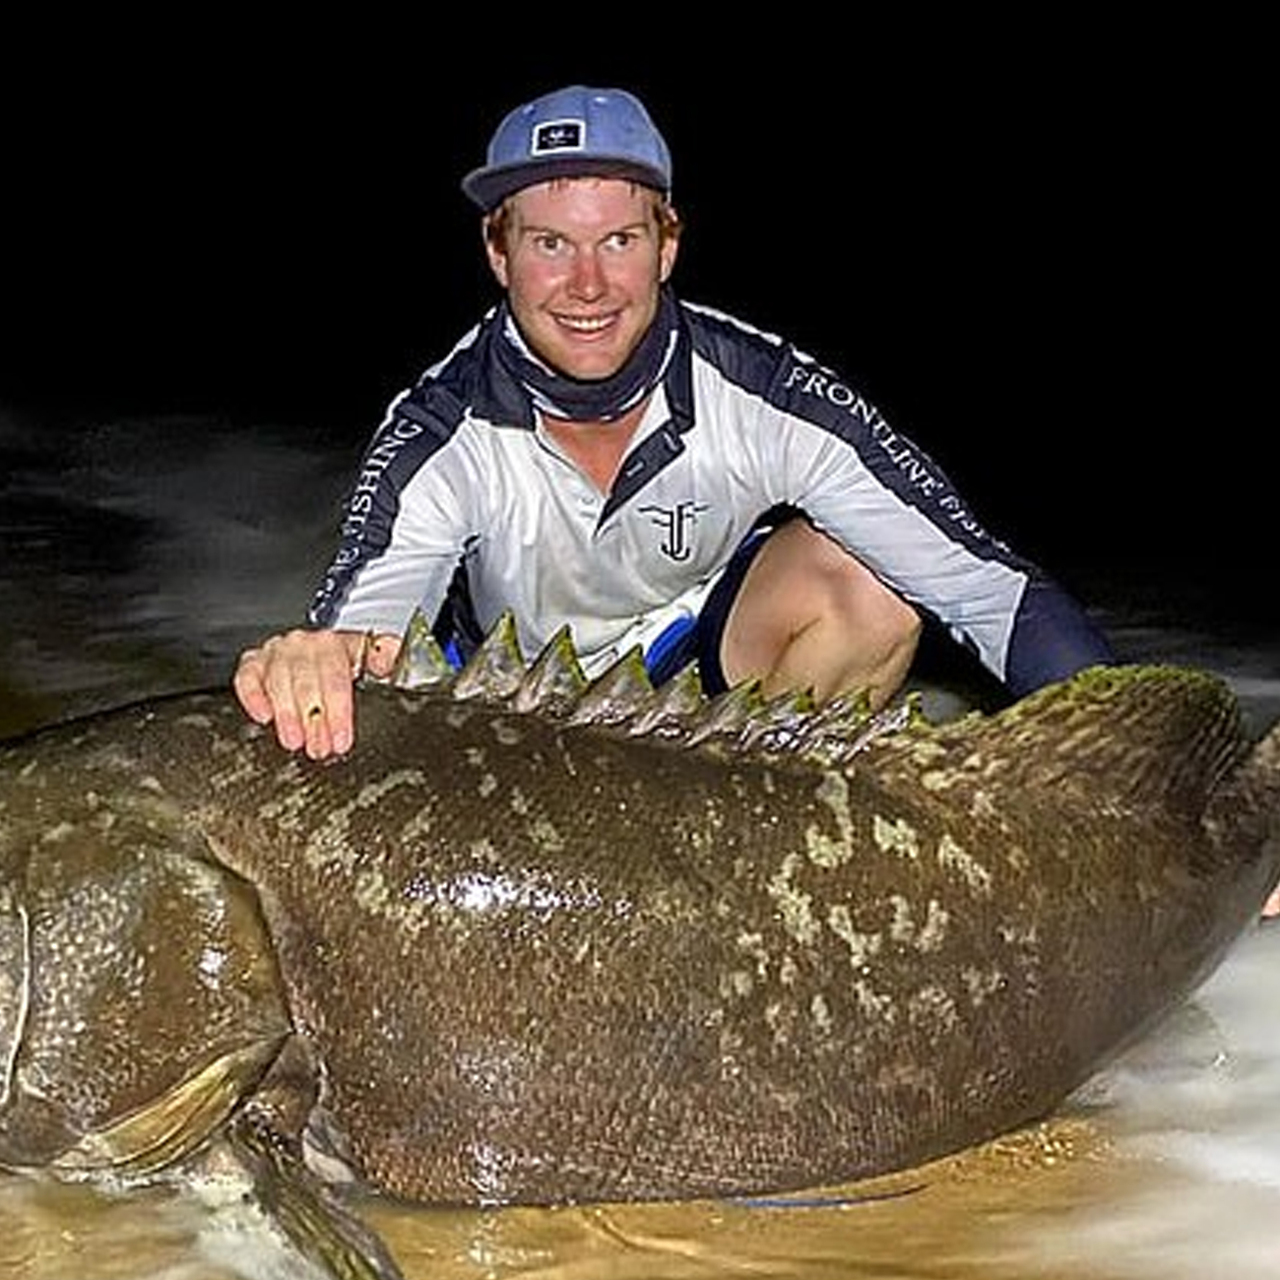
[(676, 524)]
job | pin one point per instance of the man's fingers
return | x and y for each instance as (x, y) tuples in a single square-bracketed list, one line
[(312, 693), (380, 654), (302, 680), (250, 687), (332, 727)]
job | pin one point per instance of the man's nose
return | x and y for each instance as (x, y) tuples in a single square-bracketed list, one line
[(587, 279)]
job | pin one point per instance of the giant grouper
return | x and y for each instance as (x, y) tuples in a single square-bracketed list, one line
[(536, 940)]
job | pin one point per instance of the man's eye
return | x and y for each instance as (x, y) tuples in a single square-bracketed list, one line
[(549, 243)]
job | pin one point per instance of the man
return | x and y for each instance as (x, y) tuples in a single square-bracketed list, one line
[(597, 453)]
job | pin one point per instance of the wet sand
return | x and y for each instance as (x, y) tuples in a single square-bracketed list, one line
[(977, 1215)]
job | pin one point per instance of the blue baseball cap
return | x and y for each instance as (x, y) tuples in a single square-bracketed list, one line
[(572, 133)]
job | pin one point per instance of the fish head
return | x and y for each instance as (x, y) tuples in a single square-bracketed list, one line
[(139, 994)]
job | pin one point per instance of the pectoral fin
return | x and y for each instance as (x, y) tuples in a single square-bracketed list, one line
[(311, 1215)]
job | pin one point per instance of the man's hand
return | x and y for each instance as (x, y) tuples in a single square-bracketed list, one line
[(302, 681)]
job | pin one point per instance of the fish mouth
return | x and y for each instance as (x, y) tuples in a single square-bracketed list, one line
[(15, 985)]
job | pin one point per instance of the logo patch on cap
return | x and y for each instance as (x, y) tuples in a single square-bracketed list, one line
[(559, 135)]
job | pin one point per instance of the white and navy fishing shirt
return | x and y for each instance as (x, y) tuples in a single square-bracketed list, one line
[(460, 472)]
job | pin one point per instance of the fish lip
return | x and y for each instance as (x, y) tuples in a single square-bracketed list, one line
[(15, 1004)]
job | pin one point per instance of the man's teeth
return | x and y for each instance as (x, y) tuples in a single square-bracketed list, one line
[(586, 324)]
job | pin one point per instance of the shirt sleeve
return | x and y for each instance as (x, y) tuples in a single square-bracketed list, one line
[(405, 521), (888, 503)]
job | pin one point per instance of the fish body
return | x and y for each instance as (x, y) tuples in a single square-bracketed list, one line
[(538, 946)]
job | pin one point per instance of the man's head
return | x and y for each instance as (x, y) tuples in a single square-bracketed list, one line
[(578, 225)]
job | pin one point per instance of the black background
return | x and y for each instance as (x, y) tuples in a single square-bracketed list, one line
[(1039, 252)]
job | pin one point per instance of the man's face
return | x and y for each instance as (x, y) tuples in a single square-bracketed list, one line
[(581, 261)]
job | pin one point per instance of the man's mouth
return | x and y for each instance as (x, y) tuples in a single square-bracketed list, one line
[(585, 324)]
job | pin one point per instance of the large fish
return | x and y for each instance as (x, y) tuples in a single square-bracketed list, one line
[(533, 943)]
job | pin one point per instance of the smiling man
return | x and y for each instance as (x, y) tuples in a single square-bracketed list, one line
[(658, 475)]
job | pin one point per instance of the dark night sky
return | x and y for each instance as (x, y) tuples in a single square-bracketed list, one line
[(1027, 249)]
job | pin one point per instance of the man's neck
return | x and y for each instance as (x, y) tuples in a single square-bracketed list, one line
[(596, 448)]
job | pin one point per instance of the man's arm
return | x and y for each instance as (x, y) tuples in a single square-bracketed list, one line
[(394, 555)]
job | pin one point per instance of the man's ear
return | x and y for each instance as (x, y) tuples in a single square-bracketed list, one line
[(494, 251), (667, 262), (670, 248)]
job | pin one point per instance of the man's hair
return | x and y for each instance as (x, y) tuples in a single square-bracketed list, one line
[(497, 223)]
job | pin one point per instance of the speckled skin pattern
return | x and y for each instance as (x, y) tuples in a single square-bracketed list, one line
[(534, 961)]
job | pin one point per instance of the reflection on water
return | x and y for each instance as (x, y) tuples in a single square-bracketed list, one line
[(140, 557)]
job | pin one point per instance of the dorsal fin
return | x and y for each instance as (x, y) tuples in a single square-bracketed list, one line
[(1119, 734), (778, 727), (724, 716), (497, 667), (1126, 734), (616, 695), (671, 709), (421, 662), (834, 725), (856, 735), (555, 681)]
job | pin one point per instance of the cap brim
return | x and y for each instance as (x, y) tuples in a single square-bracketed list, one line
[(490, 186)]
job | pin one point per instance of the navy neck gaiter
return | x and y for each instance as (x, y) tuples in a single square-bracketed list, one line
[(595, 400)]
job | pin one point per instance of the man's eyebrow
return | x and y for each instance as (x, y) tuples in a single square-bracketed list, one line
[(536, 228)]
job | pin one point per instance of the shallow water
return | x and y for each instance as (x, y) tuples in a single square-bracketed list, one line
[(139, 557)]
